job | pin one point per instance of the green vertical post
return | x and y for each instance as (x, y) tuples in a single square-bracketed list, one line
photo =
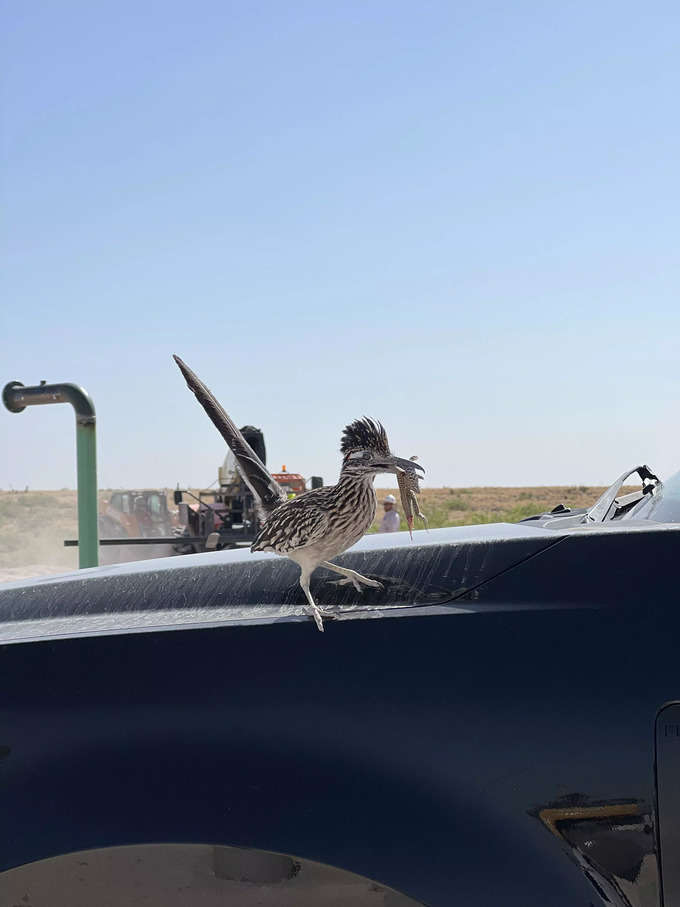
[(16, 398), (88, 528)]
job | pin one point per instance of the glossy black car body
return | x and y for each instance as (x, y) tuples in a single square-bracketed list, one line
[(480, 732)]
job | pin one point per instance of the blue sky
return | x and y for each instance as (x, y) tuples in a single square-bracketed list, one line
[(461, 219)]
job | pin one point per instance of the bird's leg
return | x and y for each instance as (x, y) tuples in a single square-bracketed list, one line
[(351, 576), (316, 614)]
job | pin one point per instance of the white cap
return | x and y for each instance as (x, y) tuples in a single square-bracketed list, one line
[(390, 499)]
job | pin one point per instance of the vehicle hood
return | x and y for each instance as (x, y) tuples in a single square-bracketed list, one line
[(454, 571)]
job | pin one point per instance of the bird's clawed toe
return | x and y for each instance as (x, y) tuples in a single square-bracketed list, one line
[(318, 617), (357, 583)]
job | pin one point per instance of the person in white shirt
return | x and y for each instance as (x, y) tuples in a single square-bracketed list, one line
[(391, 520)]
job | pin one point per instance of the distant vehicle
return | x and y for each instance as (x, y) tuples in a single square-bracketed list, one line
[(225, 517), (135, 515), (293, 483), (141, 514)]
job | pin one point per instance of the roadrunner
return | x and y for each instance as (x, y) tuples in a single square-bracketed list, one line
[(320, 524)]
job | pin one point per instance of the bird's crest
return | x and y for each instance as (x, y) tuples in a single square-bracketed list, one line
[(364, 434)]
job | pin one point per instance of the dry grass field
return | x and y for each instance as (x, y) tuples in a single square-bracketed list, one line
[(467, 506), (33, 524)]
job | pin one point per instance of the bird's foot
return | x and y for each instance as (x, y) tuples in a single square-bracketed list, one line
[(318, 617), (357, 583)]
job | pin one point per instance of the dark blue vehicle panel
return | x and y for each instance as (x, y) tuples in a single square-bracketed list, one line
[(492, 745)]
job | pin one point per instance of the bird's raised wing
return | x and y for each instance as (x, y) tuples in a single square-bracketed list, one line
[(297, 523), (267, 492)]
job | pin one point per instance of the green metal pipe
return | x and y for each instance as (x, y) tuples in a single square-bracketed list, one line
[(88, 522), (16, 398)]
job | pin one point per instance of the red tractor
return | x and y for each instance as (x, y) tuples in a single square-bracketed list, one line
[(136, 514)]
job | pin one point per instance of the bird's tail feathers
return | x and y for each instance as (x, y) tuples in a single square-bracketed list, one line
[(267, 492)]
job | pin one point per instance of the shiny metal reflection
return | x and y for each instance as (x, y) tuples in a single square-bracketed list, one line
[(612, 842)]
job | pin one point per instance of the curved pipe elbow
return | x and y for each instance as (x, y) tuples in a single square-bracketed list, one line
[(16, 398)]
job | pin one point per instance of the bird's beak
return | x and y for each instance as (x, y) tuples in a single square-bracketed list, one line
[(395, 464), (406, 465)]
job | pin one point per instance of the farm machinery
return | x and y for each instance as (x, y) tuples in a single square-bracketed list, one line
[(139, 524), (226, 517), (131, 514)]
